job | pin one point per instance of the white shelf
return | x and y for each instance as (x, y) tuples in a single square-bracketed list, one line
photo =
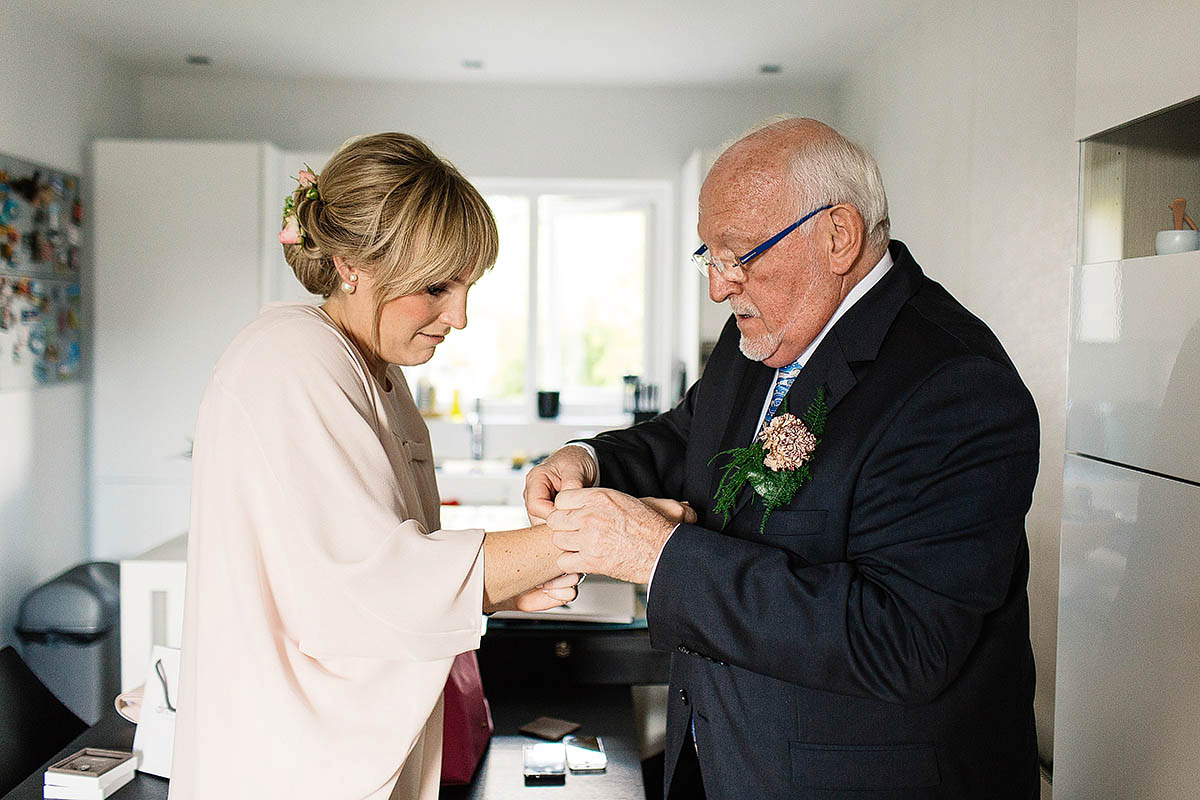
[(1129, 177), (1190, 257)]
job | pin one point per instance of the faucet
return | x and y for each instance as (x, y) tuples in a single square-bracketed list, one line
[(475, 426)]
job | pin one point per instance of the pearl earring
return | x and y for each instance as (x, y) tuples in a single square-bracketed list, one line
[(349, 287)]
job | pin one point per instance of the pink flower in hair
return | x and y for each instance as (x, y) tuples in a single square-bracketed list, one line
[(306, 179), (291, 231)]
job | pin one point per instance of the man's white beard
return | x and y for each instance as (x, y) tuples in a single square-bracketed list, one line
[(761, 347)]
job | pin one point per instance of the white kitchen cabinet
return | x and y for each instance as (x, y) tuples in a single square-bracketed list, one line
[(1133, 58), (1133, 382), (1128, 713), (1126, 709), (185, 244)]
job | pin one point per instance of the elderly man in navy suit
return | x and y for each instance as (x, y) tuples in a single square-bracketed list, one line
[(846, 608)]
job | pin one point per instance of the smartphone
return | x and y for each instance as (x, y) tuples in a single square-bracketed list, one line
[(585, 754), (545, 764)]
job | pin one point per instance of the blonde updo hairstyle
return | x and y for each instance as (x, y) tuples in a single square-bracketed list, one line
[(390, 207)]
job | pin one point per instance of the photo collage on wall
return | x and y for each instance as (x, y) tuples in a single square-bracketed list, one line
[(41, 304)]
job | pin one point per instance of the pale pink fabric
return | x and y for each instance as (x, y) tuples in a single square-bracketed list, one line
[(323, 606)]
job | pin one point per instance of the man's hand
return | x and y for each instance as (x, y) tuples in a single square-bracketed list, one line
[(674, 510), (611, 533), (569, 467)]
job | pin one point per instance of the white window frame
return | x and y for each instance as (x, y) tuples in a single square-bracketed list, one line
[(659, 313)]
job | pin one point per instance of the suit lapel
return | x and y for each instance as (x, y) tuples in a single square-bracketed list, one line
[(827, 368), (751, 392)]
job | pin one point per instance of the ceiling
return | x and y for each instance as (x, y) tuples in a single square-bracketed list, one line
[(603, 42)]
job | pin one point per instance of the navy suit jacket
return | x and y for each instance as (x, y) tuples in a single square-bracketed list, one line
[(873, 641)]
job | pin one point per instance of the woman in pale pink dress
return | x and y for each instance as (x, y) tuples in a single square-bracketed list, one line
[(324, 604)]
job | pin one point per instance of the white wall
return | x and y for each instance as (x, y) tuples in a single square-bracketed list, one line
[(486, 130), (57, 95), (969, 109)]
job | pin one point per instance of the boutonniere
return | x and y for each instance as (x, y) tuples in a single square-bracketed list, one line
[(777, 462)]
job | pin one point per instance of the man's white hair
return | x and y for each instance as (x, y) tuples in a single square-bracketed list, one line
[(830, 169)]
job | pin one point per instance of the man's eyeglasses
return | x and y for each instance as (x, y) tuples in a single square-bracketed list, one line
[(705, 262)]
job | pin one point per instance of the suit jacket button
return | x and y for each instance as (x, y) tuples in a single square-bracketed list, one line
[(683, 696)]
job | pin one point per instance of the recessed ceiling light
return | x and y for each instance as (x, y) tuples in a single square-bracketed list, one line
[(198, 60), (770, 69), (472, 63)]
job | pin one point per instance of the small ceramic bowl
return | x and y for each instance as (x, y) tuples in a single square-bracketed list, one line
[(1176, 241)]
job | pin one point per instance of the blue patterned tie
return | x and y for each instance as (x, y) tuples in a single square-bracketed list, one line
[(784, 382)]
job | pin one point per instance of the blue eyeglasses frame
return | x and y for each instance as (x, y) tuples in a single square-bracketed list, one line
[(705, 263)]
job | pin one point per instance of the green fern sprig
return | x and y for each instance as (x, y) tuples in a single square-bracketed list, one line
[(745, 461), (814, 416)]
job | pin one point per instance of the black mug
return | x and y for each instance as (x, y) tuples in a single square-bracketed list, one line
[(547, 405)]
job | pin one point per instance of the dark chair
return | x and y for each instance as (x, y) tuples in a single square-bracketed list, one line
[(34, 725)]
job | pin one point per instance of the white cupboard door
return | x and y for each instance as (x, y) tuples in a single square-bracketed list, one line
[(1133, 386), (1127, 709), (179, 242)]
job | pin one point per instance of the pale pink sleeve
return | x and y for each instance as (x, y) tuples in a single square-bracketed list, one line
[(302, 466)]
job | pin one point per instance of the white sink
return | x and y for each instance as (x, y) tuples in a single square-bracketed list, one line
[(480, 483), (483, 467), (490, 518)]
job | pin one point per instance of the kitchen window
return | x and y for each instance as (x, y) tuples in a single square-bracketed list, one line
[(568, 306)]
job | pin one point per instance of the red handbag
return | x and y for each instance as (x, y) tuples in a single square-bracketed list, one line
[(467, 721)]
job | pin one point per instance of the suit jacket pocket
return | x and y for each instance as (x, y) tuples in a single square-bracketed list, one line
[(864, 767), (804, 522)]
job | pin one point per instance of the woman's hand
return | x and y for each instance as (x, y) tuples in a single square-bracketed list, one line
[(551, 594)]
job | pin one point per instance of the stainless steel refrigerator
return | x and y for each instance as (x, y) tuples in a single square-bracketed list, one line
[(1127, 709)]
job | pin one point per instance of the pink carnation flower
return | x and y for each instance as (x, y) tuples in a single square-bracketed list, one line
[(306, 179), (788, 442)]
